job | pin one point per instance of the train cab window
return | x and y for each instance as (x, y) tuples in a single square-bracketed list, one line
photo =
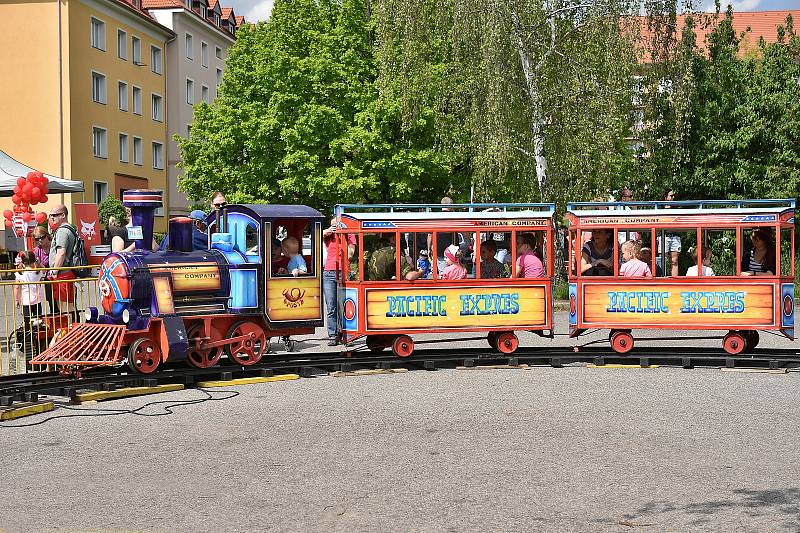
[(673, 255), (456, 244), (380, 256), (530, 254), (574, 250), (494, 254), (251, 240), (718, 257), (597, 252), (640, 248), (787, 259), (758, 247), (293, 248), (352, 272)]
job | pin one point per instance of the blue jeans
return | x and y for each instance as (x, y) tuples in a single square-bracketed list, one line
[(331, 305)]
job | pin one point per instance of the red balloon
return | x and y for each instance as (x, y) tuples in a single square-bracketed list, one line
[(26, 217), (41, 217), (36, 192), (25, 197), (15, 199), (43, 199), (8, 223), (20, 181), (27, 188), (17, 189), (8, 213)]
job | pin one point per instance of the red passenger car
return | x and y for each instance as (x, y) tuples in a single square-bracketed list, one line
[(412, 269), (711, 265)]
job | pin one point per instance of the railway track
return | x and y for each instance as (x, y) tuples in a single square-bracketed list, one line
[(28, 387)]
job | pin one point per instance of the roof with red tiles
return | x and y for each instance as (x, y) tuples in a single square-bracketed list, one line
[(212, 5), (749, 26), (137, 8), (155, 4), (239, 21), (226, 12)]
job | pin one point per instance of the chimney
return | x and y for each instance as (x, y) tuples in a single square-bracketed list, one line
[(143, 204), (180, 234)]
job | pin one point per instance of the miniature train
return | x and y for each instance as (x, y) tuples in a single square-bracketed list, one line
[(196, 306)]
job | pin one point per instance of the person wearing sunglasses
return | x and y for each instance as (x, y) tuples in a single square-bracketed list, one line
[(218, 201), (62, 251), (41, 250)]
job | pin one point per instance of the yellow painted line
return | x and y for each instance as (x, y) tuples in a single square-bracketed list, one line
[(592, 365), (247, 381), (26, 410), (368, 372), (83, 397)]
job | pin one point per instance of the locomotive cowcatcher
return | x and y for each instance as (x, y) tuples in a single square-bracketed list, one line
[(183, 305)]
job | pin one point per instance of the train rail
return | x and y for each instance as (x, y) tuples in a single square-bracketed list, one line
[(28, 387)]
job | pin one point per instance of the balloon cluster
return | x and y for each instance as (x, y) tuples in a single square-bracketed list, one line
[(30, 190)]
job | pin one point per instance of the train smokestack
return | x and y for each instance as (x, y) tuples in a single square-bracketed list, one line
[(143, 204), (180, 234)]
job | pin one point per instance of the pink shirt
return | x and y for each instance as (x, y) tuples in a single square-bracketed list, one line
[(529, 266), (635, 269), (332, 248), (453, 272)]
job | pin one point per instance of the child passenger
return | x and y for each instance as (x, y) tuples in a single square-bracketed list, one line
[(424, 264), (528, 265), (453, 269), (490, 267), (291, 249), (27, 293), (707, 270), (633, 267)]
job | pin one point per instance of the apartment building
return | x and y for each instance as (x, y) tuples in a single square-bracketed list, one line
[(84, 94), (195, 65)]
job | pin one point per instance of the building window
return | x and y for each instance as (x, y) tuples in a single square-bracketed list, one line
[(158, 155), (155, 59), (122, 94), (218, 52), (215, 19), (98, 88), (158, 107), (219, 76), (122, 44), (189, 46), (98, 34), (204, 94), (189, 91), (137, 4), (99, 142), (123, 148), (137, 151), (204, 54), (136, 50), (137, 100), (100, 191)]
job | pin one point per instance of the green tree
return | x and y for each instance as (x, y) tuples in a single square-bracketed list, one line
[(298, 118)]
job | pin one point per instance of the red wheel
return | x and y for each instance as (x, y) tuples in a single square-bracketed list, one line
[(403, 346), (144, 356), (202, 358), (734, 343), (247, 351), (376, 343), (621, 341), (507, 342)]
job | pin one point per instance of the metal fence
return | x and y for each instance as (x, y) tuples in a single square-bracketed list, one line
[(27, 330)]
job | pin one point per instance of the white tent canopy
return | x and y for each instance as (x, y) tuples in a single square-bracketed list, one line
[(11, 169)]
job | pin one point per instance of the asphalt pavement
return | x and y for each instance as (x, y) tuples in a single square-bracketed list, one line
[(541, 449)]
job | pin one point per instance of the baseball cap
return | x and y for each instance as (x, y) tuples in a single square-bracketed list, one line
[(197, 214)]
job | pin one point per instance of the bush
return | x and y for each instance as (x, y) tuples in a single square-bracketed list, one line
[(111, 207)]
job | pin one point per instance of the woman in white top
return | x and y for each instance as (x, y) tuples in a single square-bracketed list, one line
[(28, 294)]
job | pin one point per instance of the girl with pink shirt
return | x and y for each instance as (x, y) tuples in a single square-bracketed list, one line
[(633, 267), (528, 265), (453, 269)]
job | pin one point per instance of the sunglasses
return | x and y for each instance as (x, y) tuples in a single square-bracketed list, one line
[(43, 237), (221, 204), (55, 215)]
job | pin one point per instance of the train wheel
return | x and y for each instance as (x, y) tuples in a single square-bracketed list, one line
[(202, 358), (376, 343), (248, 351), (751, 337), (492, 338), (507, 342), (734, 343), (403, 346), (621, 341), (144, 356)]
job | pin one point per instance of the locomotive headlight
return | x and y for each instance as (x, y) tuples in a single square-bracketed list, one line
[(126, 316)]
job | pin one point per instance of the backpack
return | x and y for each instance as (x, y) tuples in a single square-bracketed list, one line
[(79, 257)]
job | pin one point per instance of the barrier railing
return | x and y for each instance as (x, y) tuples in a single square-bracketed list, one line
[(27, 330)]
